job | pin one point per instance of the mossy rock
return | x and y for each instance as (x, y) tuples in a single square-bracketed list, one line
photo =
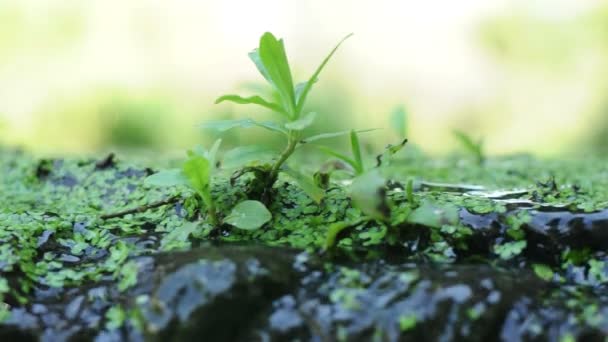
[(536, 229)]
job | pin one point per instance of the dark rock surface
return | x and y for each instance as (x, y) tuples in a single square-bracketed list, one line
[(249, 293)]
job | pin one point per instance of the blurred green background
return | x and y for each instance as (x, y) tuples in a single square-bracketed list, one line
[(92, 76)]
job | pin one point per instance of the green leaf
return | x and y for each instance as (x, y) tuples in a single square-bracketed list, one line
[(248, 215), (212, 154), (307, 184), (302, 123), (399, 122), (225, 125), (434, 215), (273, 57), (197, 170), (338, 155), (304, 92), (543, 271), (299, 89), (333, 135), (246, 155), (368, 193), (356, 148), (172, 177), (251, 100), (255, 58)]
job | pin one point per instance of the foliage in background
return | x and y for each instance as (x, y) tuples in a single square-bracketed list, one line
[(471, 146)]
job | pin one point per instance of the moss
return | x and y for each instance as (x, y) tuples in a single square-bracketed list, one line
[(51, 232)]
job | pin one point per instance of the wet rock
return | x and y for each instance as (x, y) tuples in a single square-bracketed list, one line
[(381, 302), (215, 296), (390, 302), (211, 291)]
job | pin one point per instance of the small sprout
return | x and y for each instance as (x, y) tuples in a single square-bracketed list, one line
[(475, 148), (271, 61), (197, 174), (356, 161)]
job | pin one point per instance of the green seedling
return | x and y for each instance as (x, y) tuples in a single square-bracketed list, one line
[(196, 173), (475, 148), (368, 190), (356, 161), (271, 61)]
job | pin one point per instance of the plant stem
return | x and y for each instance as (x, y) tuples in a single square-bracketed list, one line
[(141, 209), (292, 143), (211, 212)]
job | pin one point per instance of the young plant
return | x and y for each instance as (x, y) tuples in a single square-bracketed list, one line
[(271, 61), (475, 148), (356, 161), (368, 192), (197, 174)]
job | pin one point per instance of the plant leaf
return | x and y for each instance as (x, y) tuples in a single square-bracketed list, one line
[(475, 148), (273, 57), (300, 88), (307, 184), (338, 155), (356, 148), (304, 92), (197, 170), (368, 193), (245, 155), (255, 58), (251, 100), (466, 140), (434, 215), (333, 135), (248, 215), (212, 154), (172, 177), (225, 125), (302, 122)]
